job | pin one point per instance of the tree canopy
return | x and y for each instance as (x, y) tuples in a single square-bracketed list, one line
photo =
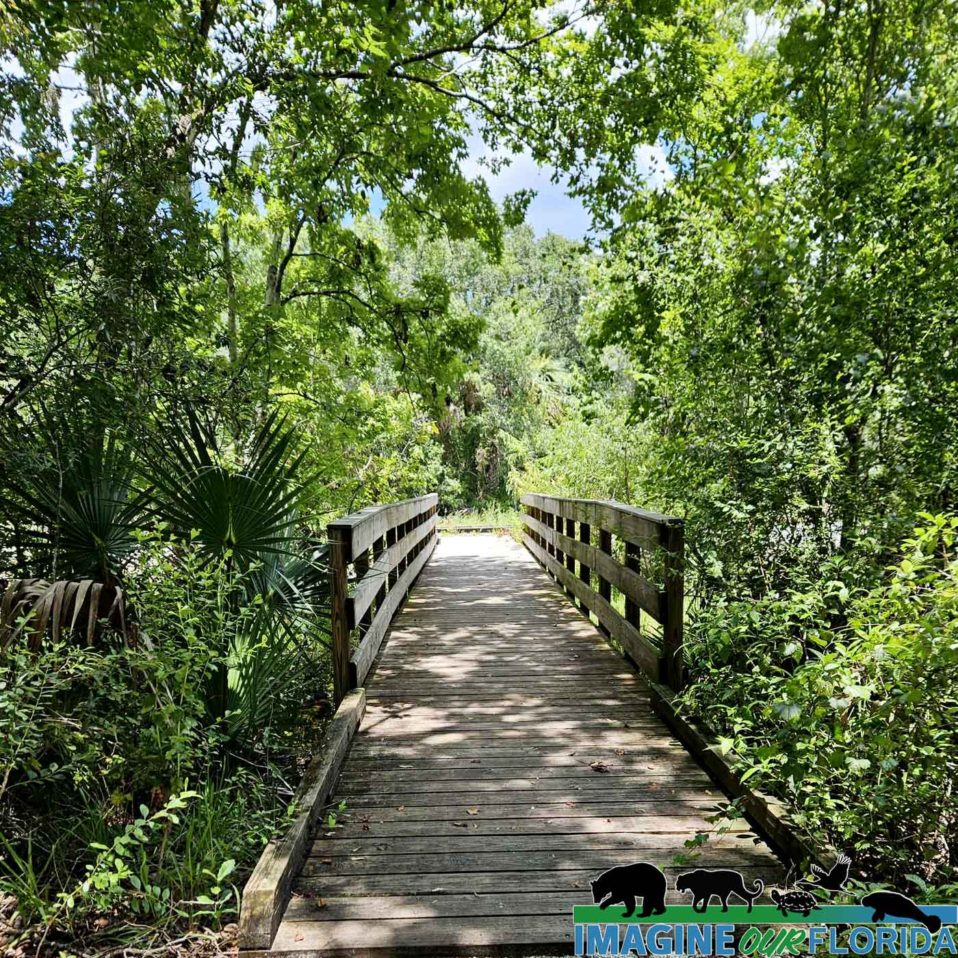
[(253, 276)]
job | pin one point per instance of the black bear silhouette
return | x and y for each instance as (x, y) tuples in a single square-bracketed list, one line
[(832, 880), (704, 883), (625, 883), (898, 906)]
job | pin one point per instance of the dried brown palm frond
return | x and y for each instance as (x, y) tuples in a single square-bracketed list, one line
[(62, 608)]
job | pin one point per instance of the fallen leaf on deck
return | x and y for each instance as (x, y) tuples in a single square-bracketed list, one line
[(472, 811), (598, 766), (460, 824)]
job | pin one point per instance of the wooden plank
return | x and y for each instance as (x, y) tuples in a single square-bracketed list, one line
[(618, 760), (439, 936), (628, 581), (738, 854), (469, 785), (268, 888), (377, 574), (496, 882), (362, 658), (366, 908), (641, 843), (426, 792), (623, 742), (628, 522), (547, 708), (649, 819), (690, 802), (376, 776), (482, 703), (639, 649), (653, 791), (371, 523), (513, 725)]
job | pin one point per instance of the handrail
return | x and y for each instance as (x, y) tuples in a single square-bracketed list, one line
[(387, 546), (551, 536)]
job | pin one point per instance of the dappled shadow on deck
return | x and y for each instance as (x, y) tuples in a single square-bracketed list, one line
[(507, 756)]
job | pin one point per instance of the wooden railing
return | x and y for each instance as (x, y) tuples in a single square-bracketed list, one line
[(374, 558), (574, 539)]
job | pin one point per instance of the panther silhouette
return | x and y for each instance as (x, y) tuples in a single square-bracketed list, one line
[(721, 883)]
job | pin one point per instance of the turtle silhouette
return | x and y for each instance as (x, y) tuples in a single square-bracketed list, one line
[(801, 902)]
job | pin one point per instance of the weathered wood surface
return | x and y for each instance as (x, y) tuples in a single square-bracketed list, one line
[(474, 816), (549, 533), (387, 546), (267, 891)]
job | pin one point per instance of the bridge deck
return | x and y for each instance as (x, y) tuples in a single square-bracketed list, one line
[(507, 755)]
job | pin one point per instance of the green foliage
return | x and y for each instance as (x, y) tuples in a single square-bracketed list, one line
[(855, 725), (98, 741), (211, 346)]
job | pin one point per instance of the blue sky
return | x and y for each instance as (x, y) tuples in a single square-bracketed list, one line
[(552, 209)]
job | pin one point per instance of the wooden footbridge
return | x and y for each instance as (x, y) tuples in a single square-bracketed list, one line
[(504, 734)]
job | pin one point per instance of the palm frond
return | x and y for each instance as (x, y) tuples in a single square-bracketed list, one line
[(265, 681), (79, 511), (63, 608), (248, 511)]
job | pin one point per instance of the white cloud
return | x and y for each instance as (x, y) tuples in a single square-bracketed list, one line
[(761, 28), (552, 209), (774, 167), (653, 165)]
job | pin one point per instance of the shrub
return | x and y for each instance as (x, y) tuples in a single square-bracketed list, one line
[(846, 705), (130, 789)]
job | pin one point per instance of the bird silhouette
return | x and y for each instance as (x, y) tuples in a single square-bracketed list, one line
[(833, 880)]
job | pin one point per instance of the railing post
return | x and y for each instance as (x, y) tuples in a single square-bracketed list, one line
[(632, 561), (379, 546), (605, 587), (339, 549), (585, 571), (361, 567), (391, 540), (673, 542), (569, 557)]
